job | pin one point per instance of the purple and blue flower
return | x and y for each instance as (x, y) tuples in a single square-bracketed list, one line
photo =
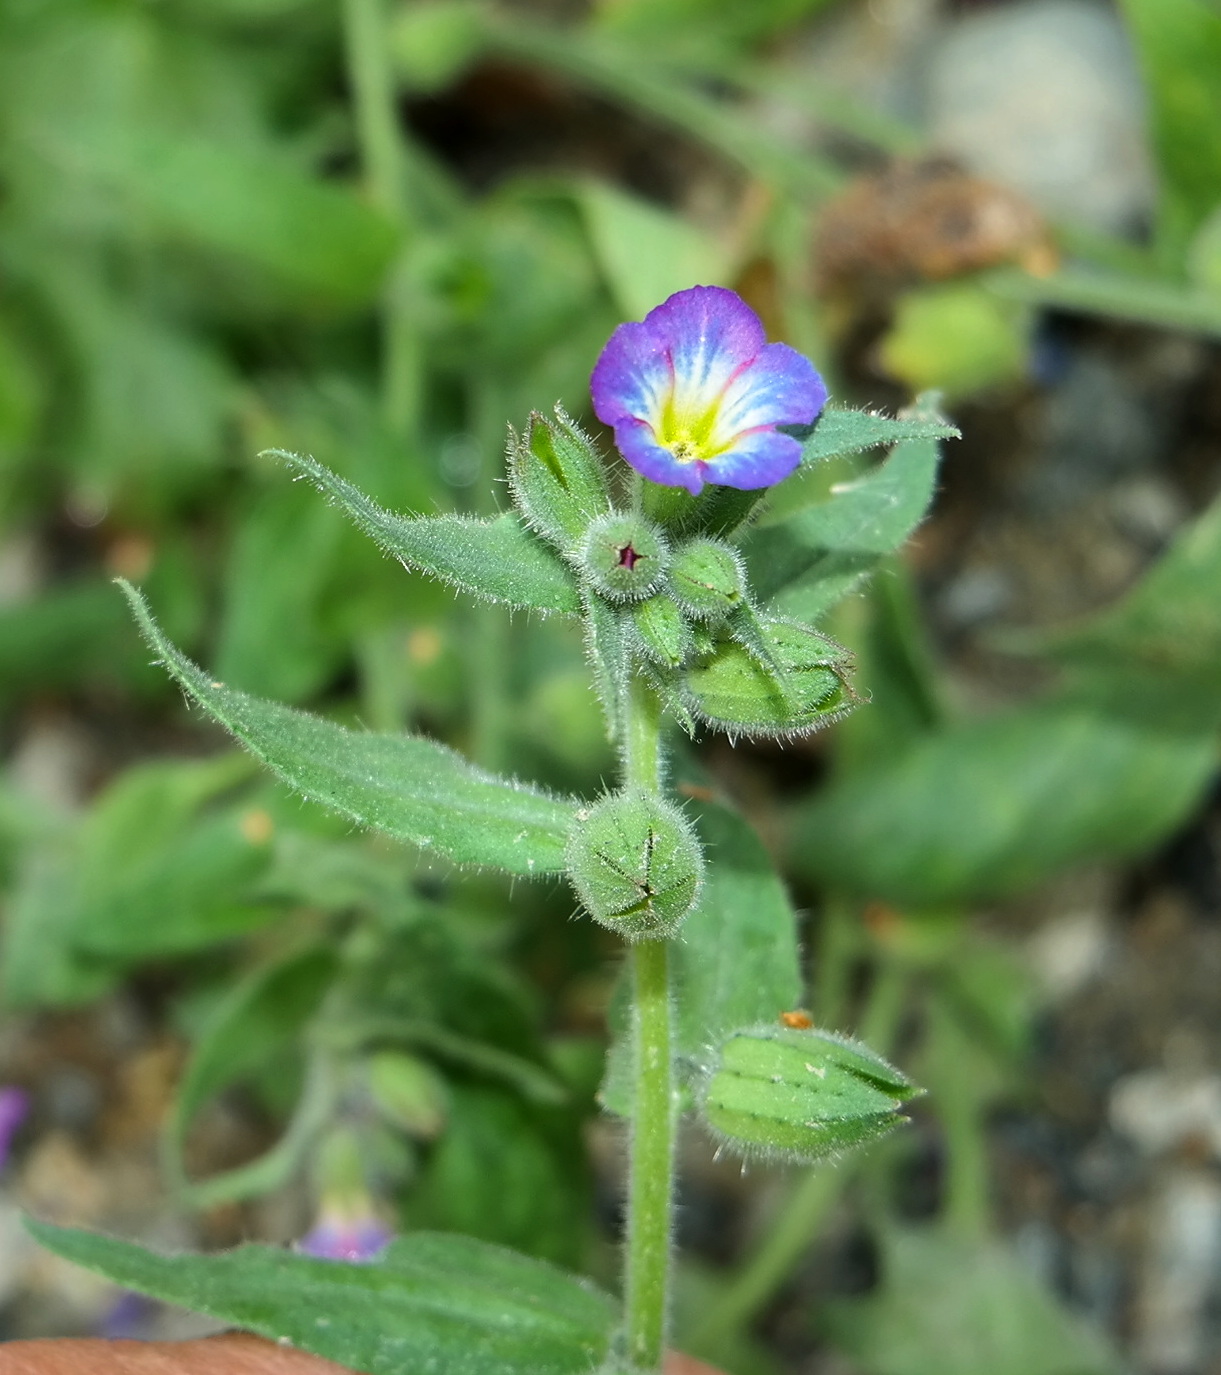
[(696, 394)]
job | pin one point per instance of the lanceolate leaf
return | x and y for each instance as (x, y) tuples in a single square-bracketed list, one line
[(445, 1304), (810, 561), (409, 787), (499, 560), (848, 432)]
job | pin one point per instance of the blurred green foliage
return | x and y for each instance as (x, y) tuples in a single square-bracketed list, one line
[(197, 264)]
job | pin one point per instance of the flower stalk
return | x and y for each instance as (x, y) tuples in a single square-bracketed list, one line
[(651, 1167)]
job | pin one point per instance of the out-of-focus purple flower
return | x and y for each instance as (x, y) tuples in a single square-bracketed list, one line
[(14, 1105), (695, 393), (130, 1316), (343, 1236)]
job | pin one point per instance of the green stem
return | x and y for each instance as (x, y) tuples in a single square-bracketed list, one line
[(384, 157), (651, 1167)]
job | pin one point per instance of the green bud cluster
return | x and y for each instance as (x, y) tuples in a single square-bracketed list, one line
[(800, 1094), (666, 594), (636, 864)]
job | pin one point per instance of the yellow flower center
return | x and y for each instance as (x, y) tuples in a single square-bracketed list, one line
[(688, 432)]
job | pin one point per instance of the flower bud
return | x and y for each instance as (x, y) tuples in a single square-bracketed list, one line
[(806, 688), (708, 579), (557, 479), (409, 1093), (624, 556), (635, 864), (661, 631), (801, 1094)]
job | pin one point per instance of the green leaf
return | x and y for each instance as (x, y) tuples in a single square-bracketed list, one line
[(995, 806), (736, 962), (1166, 629), (800, 1094), (645, 252), (283, 556), (805, 565), (315, 236), (496, 559), (502, 1172), (444, 1304), (952, 1307), (409, 787), (1179, 46), (257, 1021), (840, 431)]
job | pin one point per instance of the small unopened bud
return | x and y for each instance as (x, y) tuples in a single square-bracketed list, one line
[(557, 479), (662, 632), (409, 1092), (708, 579), (806, 686), (801, 1094), (625, 557), (635, 864)]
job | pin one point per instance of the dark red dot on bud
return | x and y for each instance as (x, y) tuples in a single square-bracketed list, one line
[(628, 557)]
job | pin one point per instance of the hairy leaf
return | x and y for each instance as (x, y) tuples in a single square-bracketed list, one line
[(499, 560), (810, 561), (445, 1304), (411, 788)]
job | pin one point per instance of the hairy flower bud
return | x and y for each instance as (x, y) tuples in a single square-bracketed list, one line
[(806, 688), (557, 479), (802, 1094), (635, 864), (708, 579), (625, 557), (661, 632)]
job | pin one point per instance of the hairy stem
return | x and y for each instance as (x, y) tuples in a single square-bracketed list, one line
[(651, 1169)]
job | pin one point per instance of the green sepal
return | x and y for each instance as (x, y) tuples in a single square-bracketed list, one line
[(635, 863), (610, 657), (717, 511), (731, 690), (557, 479), (802, 1095), (498, 560), (708, 579), (407, 786), (661, 632)]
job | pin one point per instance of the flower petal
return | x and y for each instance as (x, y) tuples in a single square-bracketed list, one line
[(779, 387), (688, 348), (694, 393), (638, 444), (759, 458)]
